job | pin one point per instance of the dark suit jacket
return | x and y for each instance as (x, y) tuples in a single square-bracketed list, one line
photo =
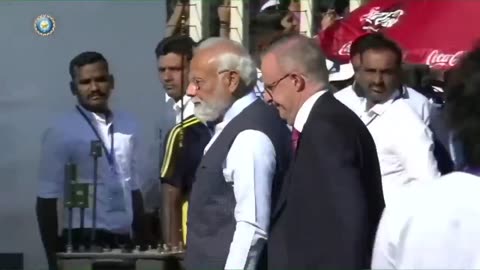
[(332, 199)]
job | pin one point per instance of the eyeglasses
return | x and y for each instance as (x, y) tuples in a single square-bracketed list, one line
[(197, 83), (271, 87)]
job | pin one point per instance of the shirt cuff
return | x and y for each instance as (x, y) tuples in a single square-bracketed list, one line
[(240, 246)]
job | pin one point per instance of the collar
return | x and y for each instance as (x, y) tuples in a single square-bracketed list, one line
[(238, 106), (380, 108), (259, 73), (168, 98), (304, 111), (404, 92), (96, 116), (178, 105)]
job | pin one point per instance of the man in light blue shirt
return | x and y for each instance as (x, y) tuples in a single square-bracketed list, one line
[(119, 207)]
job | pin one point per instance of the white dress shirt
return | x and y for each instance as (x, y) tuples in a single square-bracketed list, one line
[(305, 109), (404, 143), (188, 109), (418, 102), (68, 140), (250, 167), (434, 225), (259, 87)]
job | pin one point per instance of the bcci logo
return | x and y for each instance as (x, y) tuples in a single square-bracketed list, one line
[(44, 25)]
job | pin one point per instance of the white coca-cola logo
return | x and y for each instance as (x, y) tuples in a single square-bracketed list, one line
[(436, 58), (376, 19), (345, 49)]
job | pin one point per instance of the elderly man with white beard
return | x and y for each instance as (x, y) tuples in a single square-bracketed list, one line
[(243, 164)]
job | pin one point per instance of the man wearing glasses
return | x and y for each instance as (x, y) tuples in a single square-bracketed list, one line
[(335, 168)]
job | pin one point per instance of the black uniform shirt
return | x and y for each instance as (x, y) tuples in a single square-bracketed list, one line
[(184, 145)]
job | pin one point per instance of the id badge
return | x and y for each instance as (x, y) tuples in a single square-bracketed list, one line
[(116, 195)]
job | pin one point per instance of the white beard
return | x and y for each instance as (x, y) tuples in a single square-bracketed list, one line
[(206, 112), (210, 111)]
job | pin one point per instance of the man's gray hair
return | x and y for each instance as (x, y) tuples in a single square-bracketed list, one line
[(298, 52), (239, 60)]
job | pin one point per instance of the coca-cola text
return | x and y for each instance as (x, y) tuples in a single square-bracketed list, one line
[(436, 58)]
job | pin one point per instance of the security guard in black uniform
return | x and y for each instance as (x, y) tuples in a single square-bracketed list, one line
[(184, 143), (181, 159)]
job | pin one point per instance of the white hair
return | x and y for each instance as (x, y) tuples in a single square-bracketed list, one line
[(239, 61)]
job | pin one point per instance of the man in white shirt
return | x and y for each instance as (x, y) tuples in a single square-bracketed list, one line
[(119, 207), (404, 142), (419, 103), (435, 225), (352, 96), (243, 165)]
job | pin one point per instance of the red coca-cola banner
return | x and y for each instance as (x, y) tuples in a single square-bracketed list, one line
[(433, 32)]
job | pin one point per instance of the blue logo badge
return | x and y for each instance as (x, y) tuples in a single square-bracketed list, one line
[(44, 25)]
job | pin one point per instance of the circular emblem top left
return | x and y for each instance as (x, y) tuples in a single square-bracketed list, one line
[(44, 25)]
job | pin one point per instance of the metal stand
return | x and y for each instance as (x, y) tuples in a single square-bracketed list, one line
[(95, 152), (70, 179), (82, 228), (76, 197)]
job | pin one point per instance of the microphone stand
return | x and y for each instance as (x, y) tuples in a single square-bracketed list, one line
[(70, 175), (95, 152), (82, 228)]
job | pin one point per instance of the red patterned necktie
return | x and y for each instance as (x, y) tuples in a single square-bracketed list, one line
[(295, 138)]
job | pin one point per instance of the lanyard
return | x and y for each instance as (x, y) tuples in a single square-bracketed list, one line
[(402, 94), (109, 154), (370, 120)]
